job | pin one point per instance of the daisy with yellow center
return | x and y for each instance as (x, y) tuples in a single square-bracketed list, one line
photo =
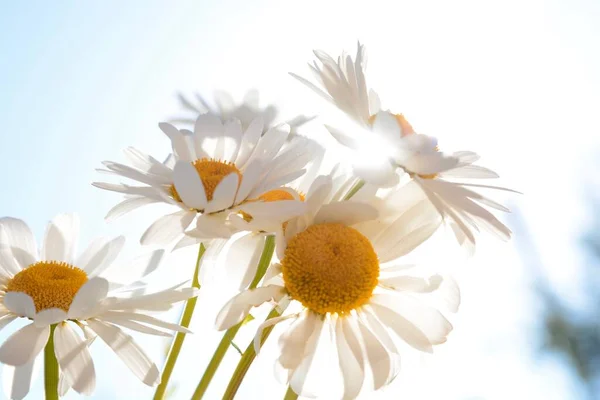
[(343, 278), (386, 147), (214, 170), (59, 294), (258, 218)]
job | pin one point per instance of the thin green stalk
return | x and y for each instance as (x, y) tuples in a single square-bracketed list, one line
[(50, 368), (290, 394), (246, 360), (264, 262), (219, 354), (357, 186), (186, 317)]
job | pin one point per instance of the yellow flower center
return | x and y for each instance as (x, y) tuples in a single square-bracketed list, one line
[(405, 127), (330, 268), (51, 284), (428, 176), (273, 195), (211, 173)]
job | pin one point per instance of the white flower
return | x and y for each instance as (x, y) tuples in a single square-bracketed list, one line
[(435, 173), (344, 85), (386, 147), (217, 170), (52, 286), (227, 108), (347, 282)]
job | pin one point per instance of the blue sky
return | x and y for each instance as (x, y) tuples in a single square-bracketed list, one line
[(516, 81)]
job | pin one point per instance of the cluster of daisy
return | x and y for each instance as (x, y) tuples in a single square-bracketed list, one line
[(322, 248)]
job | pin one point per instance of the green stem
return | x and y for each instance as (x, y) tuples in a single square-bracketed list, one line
[(357, 186), (264, 262), (50, 368), (290, 394), (246, 360), (219, 354), (186, 317)]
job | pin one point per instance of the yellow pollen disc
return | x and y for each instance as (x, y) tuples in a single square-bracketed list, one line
[(330, 268), (211, 173), (273, 195), (51, 284), (405, 127)]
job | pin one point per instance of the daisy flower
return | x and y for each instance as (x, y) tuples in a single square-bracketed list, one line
[(216, 170), (345, 281), (61, 294), (227, 108), (386, 147), (241, 254)]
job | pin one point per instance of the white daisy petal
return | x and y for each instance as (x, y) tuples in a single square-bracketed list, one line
[(6, 319), (211, 226), (99, 255), (270, 143), (279, 181), (345, 212), (61, 238), (407, 232), (89, 295), (380, 331), (17, 380), (251, 175), (403, 328), (180, 143), (351, 360), (64, 385), (231, 139), (24, 345), (386, 126), (268, 323), (207, 128), (186, 241), (20, 304), (378, 171), (449, 293), (126, 206), (8, 264), (343, 138), (189, 186), (301, 371), (128, 351), (135, 326), (74, 359), (239, 306), (249, 140), (427, 319), (147, 163), (224, 194), (379, 358), (470, 172), (146, 319), (160, 301), (242, 258), (167, 228), (17, 235), (274, 211), (374, 102), (137, 268), (49, 316), (294, 340), (411, 283)]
